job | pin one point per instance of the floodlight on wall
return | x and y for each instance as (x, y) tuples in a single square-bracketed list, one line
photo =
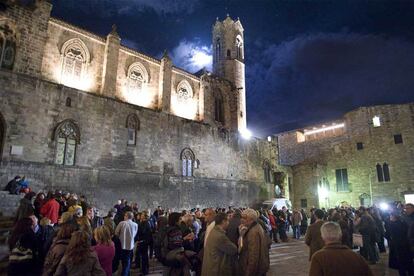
[(317, 130), (376, 122), (269, 138), (245, 133), (323, 192)]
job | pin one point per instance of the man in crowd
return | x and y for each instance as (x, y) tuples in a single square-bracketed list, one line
[(253, 246), (219, 251), (209, 220), (336, 259), (126, 231), (313, 236)]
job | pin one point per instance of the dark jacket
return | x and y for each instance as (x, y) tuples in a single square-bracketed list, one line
[(400, 254), (233, 229), (338, 260)]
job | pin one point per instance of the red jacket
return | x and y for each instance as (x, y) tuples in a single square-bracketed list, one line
[(50, 210), (272, 220)]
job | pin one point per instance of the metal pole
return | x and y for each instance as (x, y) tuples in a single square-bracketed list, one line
[(370, 186)]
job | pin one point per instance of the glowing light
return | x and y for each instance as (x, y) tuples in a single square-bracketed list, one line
[(201, 59), (376, 121), (323, 193), (269, 138), (245, 133), (315, 130), (384, 206), (144, 97), (184, 108)]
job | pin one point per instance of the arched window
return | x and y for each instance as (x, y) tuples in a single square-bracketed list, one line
[(187, 158), (7, 46), (239, 47), (218, 49), (184, 90), (218, 107), (67, 136), (137, 77), (75, 56), (132, 125), (267, 171)]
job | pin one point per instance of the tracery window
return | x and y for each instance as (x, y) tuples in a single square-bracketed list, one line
[(75, 59), (132, 125), (188, 161), (137, 77), (218, 107), (7, 46), (67, 136), (239, 47), (184, 90)]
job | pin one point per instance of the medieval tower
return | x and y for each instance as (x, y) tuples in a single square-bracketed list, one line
[(228, 60)]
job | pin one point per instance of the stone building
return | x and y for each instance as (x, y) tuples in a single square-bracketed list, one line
[(364, 158), (83, 113)]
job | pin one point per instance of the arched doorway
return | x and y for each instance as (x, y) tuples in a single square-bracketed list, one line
[(2, 134)]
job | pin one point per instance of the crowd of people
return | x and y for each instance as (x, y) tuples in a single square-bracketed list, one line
[(62, 234)]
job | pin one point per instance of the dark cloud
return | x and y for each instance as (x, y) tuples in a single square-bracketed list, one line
[(318, 77)]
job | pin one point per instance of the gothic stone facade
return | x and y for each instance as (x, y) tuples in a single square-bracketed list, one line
[(83, 113), (367, 153)]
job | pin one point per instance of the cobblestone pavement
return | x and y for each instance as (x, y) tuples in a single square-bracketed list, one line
[(291, 258)]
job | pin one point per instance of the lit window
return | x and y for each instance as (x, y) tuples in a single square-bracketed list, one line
[(75, 57), (376, 122), (184, 90), (67, 137), (132, 125), (188, 162), (137, 77)]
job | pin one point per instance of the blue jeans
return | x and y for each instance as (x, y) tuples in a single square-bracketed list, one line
[(296, 231), (126, 256)]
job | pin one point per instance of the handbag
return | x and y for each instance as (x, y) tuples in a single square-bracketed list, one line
[(357, 240)]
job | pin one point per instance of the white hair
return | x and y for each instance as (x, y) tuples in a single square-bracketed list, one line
[(250, 213), (331, 232)]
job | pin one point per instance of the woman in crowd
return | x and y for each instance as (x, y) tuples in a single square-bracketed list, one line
[(79, 258), (26, 207), (105, 248), (58, 249)]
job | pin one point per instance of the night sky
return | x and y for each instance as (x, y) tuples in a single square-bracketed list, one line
[(307, 62)]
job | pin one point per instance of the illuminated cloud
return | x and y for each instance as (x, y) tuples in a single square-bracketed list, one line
[(192, 56)]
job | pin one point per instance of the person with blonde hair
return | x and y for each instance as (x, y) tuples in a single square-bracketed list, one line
[(104, 248), (79, 258)]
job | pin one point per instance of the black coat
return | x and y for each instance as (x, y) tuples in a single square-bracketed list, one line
[(400, 254)]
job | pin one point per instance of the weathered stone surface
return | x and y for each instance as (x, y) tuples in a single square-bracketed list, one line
[(317, 158)]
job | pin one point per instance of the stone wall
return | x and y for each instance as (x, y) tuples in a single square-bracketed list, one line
[(230, 168), (316, 161)]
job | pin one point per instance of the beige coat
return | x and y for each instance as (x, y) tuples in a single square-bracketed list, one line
[(313, 238), (219, 254), (254, 254), (338, 260)]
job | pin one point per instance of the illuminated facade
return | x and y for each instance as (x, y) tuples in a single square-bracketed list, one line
[(363, 159), (83, 113)]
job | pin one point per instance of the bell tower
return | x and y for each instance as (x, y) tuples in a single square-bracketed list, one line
[(228, 60)]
